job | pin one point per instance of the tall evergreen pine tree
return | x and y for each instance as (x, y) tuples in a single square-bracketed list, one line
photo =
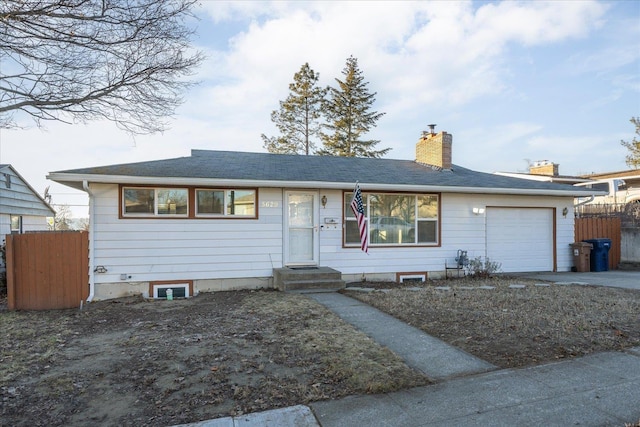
[(299, 115), (349, 116)]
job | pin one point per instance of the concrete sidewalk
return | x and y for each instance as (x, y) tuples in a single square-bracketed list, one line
[(597, 390), (614, 278)]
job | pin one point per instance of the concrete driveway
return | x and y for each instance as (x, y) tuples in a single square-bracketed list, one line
[(614, 278)]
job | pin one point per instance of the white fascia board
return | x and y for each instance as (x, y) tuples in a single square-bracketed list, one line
[(547, 178), (70, 179), (525, 176), (35, 193)]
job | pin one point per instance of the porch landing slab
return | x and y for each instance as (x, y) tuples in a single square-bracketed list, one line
[(307, 278)]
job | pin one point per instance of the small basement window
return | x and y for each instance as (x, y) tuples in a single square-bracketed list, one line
[(411, 277), (180, 290)]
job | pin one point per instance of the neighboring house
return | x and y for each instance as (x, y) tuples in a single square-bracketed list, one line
[(221, 220), (546, 171), (612, 187), (21, 207)]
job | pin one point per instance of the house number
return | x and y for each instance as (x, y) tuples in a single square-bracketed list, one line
[(270, 204)]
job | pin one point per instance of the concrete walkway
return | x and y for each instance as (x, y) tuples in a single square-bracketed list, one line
[(436, 359), (597, 390)]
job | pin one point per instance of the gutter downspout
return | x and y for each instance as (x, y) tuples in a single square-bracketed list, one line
[(85, 187), (590, 199)]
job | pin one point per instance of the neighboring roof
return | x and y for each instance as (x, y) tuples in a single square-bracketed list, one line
[(44, 207), (628, 174), (561, 179), (205, 167)]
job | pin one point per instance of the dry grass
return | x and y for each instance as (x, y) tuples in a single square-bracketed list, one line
[(28, 340), (170, 362), (517, 327), (158, 363), (346, 354)]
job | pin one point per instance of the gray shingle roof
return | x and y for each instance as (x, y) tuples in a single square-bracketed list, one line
[(242, 166)]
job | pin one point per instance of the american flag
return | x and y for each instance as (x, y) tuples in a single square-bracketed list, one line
[(358, 210)]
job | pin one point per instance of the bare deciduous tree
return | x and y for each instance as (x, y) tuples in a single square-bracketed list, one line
[(62, 220), (81, 60)]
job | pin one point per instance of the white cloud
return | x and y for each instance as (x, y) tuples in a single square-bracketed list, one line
[(443, 62), (538, 22), (412, 52)]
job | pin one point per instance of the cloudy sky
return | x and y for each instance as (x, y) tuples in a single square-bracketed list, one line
[(513, 82)]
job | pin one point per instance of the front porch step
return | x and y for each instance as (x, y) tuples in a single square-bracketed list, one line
[(287, 279), (299, 285)]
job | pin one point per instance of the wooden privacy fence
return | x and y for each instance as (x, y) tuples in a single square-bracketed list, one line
[(47, 270), (599, 228)]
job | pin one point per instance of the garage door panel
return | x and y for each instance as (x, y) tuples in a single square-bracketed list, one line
[(520, 239)]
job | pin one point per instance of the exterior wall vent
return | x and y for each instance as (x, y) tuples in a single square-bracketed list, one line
[(180, 289)]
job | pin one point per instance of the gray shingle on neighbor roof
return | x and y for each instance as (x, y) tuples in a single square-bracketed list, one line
[(232, 165)]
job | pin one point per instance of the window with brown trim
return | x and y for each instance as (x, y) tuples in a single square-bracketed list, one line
[(394, 218), (145, 201), (227, 202), (187, 202)]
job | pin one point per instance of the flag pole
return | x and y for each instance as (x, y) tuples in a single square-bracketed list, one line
[(357, 207)]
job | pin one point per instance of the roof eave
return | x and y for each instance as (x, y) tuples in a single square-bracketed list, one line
[(44, 202), (76, 180)]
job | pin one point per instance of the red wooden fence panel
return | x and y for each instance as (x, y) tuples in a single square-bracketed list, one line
[(47, 270), (601, 228)]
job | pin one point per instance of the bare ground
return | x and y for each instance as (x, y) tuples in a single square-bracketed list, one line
[(132, 362)]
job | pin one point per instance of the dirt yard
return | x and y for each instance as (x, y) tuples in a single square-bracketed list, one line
[(132, 362)]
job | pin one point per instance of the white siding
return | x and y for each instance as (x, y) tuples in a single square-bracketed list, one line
[(210, 249), (185, 249), (5, 225), (29, 223), (34, 223), (460, 229), (17, 198)]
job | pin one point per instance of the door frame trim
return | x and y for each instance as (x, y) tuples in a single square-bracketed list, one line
[(316, 228)]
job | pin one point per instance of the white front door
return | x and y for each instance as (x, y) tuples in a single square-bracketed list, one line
[(301, 246)]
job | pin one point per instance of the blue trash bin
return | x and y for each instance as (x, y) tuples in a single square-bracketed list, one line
[(599, 254)]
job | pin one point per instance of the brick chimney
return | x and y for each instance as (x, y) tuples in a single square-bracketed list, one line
[(434, 148), (543, 167)]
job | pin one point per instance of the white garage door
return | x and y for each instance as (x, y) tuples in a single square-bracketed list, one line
[(521, 239)]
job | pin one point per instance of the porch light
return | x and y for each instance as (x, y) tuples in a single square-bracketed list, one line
[(478, 211), (324, 201)]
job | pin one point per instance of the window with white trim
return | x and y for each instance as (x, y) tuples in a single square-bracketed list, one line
[(16, 224), (393, 219)]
